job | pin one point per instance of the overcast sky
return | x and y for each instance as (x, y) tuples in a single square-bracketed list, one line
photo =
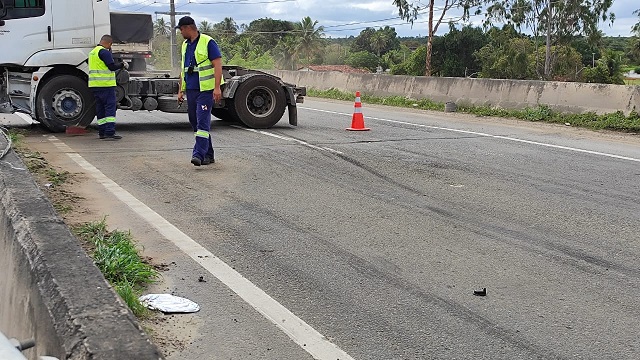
[(340, 18)]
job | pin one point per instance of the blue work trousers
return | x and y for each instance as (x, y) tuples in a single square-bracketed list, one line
[(199, 104), (105, 110)]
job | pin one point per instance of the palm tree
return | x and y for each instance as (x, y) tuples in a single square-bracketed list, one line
[(205, 27), (285, 53), (245, 46), (310, 37), (379, 41), (227, 27), (161, 28)]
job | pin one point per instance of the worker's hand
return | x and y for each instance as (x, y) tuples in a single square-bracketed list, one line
[(126, 65), (217, 94), (180, 97)]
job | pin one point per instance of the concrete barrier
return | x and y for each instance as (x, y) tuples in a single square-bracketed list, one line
[(510, 94), (50, 289)]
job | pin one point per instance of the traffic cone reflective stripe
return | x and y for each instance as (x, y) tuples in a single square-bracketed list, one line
[(357, 120)]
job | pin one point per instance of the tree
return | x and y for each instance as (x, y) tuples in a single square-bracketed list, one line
[(310, 38), (161, 28), (379, 42), (265, 33), (206, 27), (408, 11), (285, 53), (558, 21), (453, 53), (364, 59), (636, 27), (227, 28)]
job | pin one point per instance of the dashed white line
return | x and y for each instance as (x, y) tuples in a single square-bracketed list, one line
[(299, 331), (488, 135)]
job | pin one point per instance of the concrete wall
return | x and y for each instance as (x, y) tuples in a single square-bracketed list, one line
[(514, 94), (50, 289)]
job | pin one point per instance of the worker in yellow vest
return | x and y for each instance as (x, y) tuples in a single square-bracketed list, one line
[(102, 82), (201, 79)]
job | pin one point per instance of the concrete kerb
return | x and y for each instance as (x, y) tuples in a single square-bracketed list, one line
[(50, 289)]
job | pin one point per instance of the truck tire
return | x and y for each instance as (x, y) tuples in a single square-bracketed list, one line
[(169, 104), (259, 102), (65, 100)]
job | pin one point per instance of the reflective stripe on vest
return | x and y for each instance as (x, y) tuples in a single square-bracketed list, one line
[(99, 73), (206, 72)]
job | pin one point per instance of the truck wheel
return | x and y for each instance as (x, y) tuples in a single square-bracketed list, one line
[(169, 104), (65, 100), (259, 102)]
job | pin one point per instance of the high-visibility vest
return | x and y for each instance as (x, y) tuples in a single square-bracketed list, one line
[(99, 73), (202, 66)]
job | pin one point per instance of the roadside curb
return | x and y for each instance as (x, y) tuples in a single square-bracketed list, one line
[(51, 290)]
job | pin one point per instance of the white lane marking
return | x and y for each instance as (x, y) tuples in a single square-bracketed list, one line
[(299, 331), (488, 135), (286, 138)]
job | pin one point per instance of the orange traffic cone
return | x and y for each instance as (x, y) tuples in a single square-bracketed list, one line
[(357, 121)]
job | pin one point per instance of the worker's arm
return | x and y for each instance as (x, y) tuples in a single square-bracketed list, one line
[(107, 58), (217, 91), (180, 93)]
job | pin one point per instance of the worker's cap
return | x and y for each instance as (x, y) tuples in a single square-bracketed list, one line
[(185, 20)]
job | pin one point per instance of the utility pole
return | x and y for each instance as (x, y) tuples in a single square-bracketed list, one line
[(172, 14)]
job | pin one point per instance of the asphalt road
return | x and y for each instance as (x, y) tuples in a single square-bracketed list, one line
[(378, 239)]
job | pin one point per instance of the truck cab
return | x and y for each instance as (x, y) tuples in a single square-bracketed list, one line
[(48, 43)]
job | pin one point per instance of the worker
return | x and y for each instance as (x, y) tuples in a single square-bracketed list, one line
[(102, 81), (201, 79)]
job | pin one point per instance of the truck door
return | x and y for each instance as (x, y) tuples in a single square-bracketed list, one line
[(26, 29), (73, 24)]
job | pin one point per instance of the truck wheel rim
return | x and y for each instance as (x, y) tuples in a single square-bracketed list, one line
[(260, 101), (67, 103)]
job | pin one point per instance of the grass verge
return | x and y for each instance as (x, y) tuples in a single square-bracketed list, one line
[(617, 121), (117, 257)]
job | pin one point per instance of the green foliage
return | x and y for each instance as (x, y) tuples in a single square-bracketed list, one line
[(378, 42), (608, 70), (309, 38), (57, 178), (414, 65), (637, 70), (508, 60), (265, 33), (254, 61), (453, 52), (364, 60), (116, 256)]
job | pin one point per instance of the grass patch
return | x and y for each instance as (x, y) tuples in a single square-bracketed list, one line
[(57, 178), (118, 259), (632, 81), (613, 121)]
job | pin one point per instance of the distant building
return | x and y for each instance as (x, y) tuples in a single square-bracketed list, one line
[(338, 68)]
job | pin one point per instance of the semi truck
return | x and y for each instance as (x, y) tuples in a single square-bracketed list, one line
[(43, 71)]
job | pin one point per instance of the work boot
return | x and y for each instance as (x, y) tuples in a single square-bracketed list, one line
[(111, 137), (208, 160), (195, 161)]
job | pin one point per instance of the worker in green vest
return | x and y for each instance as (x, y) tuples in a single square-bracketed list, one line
[(102, 82), (201, 79)]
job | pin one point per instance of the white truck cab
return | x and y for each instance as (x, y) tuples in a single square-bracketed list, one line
[(45, 44)]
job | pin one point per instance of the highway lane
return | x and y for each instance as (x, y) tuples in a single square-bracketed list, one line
[(377, 239)]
